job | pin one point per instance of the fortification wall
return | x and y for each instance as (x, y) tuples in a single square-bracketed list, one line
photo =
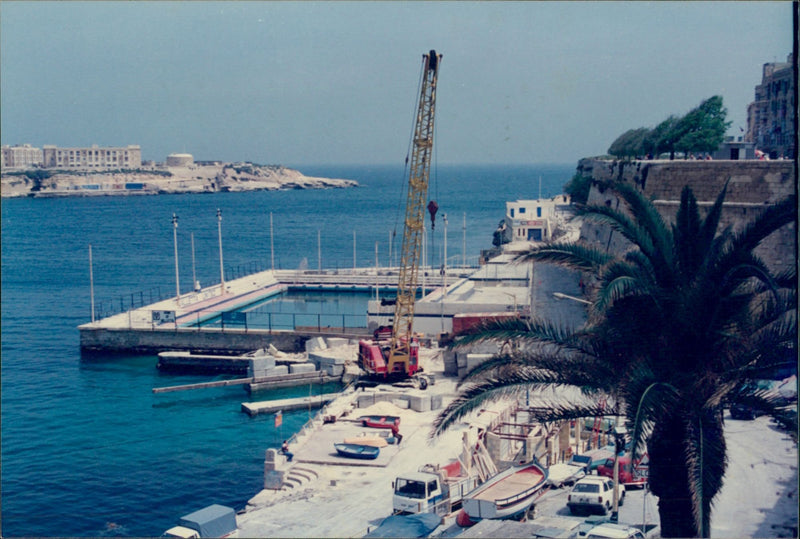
[(753, 185)]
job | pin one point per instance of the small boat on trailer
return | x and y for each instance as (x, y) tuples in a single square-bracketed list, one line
[(354, 451), (506, 495)]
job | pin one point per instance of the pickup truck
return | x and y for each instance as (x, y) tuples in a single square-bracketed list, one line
[(591, 459)]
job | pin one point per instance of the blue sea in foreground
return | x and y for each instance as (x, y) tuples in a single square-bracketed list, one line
[(87, 448)]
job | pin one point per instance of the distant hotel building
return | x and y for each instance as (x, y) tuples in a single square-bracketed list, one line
[(770, 118), (21, 156), (94, 157)]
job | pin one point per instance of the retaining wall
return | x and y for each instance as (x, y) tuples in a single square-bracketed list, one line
[(753, 185)]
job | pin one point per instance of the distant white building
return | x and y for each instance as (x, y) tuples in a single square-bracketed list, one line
[(21, 156), (95, 157), (535, 220)]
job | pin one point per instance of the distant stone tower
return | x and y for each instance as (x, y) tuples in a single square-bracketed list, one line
[(180, 160)]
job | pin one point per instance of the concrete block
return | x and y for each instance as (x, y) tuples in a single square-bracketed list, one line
[(333, 342), (400, 403), (315, 343), (419, 403), (260, 365), (334, 370), (271, 460), (436, 402), (366, 400), (273, 479), (322, 360), (278, 370), (302, 367)]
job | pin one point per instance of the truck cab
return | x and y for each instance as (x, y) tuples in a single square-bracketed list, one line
[(417, 492)]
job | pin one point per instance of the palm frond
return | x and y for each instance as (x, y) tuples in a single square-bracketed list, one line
[(648, 401), (477, 395), (773, 218), (497, 330), (648, 217), (571, 255), (711, 222), (622, 223)]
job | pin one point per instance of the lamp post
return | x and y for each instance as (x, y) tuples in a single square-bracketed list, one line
[(559, 295), (444, 265), (91, 280), (175, 243), (221, 265), (619, 445), (271, 243), (195, 282), (514, 297)]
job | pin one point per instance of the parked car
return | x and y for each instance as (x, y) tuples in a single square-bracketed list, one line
[(635, 475), (594, 494), (609, 530)]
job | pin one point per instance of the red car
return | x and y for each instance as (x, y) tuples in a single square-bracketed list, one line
[(635, 475)]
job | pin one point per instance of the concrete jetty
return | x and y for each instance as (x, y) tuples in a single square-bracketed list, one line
[(284, 405), (181, 323)]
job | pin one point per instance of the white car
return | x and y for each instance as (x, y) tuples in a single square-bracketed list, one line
[(608, 530), (594, 494)]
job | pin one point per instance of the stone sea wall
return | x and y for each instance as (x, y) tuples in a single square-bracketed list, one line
[(752, 186)]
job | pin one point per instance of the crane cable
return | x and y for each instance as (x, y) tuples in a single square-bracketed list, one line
[(400, 206)]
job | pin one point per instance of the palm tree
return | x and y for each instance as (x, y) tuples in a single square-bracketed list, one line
[(679, 326)]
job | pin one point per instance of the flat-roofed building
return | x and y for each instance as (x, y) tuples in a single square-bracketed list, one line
[(21, 156), (535, 220), (95, 157)]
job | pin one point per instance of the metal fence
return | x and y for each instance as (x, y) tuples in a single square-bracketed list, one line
[(126, 302), (257, 321)]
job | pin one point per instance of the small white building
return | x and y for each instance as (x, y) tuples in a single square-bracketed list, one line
[(534, 220)]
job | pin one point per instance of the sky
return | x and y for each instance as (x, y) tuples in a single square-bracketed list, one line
[(297, 83)]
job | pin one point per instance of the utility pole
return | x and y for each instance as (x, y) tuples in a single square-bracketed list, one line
[(271, 243), (91, 280), (221, 266), (175, 243)]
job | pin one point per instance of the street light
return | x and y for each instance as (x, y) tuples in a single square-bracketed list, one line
[(175, 242), (444, 266), (221, 266), (514, 297), (619, 444), (559, 295)]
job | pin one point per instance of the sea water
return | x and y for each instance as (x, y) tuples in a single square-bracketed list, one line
[(87, 448)]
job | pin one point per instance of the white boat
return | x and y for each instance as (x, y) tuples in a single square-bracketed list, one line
[(507, 494)]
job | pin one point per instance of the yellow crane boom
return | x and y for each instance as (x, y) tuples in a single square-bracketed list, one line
[(419, 173)]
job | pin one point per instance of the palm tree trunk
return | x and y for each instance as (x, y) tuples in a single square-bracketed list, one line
[(669, 478)]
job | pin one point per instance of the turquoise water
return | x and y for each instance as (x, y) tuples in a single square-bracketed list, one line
[(87, 448)]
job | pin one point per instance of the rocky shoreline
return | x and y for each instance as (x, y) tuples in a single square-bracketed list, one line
[(195, 178)]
